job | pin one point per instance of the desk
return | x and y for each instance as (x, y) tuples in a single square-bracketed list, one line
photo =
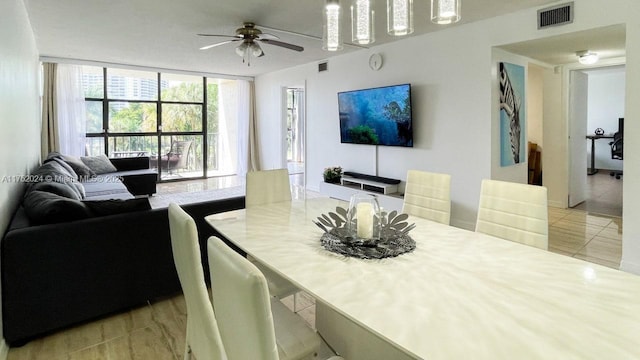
[(593, 138), (459, 295)]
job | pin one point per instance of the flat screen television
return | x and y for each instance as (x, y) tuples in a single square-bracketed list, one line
[(377, 116)]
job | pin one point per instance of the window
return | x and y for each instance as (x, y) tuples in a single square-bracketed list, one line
[(164, 116)]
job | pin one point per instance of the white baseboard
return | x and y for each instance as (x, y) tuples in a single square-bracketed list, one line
[(630, 267), (4, 349)]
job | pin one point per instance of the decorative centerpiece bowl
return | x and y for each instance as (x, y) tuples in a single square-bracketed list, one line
[(342, 234)]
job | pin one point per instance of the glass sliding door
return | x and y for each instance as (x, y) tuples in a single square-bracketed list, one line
[(186, 124)]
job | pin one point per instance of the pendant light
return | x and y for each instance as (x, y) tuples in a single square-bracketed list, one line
[(445, 11), (362, 22), (332, 31), (399, 17)]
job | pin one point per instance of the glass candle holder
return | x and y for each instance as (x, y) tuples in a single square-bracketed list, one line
[(364, 217)]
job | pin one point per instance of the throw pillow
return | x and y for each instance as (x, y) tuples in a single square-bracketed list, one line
[(82, 170), (48, 208), (54, 171), (117, 206), (99, 164), (67, 190), (67, 168)]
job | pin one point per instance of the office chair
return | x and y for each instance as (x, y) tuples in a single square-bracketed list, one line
[(617, 147)]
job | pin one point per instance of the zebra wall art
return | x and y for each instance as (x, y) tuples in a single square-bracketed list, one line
[(512, 114)]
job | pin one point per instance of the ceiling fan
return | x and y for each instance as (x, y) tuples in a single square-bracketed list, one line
[(249, 36)]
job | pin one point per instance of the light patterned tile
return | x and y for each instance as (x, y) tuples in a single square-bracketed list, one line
[(171, 317), (603, 248), (611, 234), (587, 218), (607, 263), (579, 229), (142, 344)]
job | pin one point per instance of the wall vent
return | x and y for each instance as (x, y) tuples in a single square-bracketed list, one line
[(555, 16), (323, 66)]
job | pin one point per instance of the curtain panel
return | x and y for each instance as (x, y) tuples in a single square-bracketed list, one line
[(63, 110)]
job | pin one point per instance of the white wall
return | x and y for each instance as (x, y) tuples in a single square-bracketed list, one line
[(453, 77), (19, 105), (535, 104), (606, 105), (631, 189)]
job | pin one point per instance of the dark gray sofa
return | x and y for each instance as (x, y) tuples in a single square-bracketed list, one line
[(61, 274)]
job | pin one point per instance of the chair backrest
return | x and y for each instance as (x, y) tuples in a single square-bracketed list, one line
[(267, 186), (180, 151), (242, 302), (516, 212), (617, 146), (428, 195), (203, 336)]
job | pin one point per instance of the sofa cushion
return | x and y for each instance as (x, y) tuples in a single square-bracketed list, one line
[(48, 208), (117, 206), (106, 185), (53, 170), (100, 164), (80, 168), (67, 190)]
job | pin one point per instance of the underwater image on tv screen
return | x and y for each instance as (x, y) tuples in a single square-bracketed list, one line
[(378, 116)]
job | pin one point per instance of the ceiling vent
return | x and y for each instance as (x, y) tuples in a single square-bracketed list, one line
[(556, 15), (323, 66)]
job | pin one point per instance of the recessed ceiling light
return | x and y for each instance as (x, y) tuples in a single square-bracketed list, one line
[(587, 57)]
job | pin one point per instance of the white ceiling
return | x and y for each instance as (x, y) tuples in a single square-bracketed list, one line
[(162, 33)]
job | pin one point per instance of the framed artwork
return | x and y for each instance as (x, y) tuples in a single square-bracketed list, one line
[(512, 114)]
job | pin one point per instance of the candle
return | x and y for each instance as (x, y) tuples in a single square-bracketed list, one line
[(365, 220)]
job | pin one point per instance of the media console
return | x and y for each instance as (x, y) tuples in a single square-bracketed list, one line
[(384, 188), (370, 185)]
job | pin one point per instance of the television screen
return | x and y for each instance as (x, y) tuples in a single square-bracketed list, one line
[(378, 116)]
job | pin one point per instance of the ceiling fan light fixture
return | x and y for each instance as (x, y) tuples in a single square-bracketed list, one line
[(242, 49), (399, 17), (255, 49), (587, 57), (445, 12), (332, 31), (362, 22)]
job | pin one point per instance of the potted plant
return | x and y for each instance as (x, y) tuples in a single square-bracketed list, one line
[(332, 174)]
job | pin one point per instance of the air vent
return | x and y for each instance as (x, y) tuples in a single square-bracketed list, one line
[(323, 66), (556, 15)]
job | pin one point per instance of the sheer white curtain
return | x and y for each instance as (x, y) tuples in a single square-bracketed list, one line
[(71, 111), (247, 135)]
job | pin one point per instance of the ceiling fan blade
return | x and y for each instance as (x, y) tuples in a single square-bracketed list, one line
[(267, 36), (229, 36), (282, 44), (218, 44)]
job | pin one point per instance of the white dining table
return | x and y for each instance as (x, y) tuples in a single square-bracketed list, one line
[(458, 295)]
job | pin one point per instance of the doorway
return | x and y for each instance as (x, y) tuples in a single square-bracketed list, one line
[(602, 110), (295, 130)]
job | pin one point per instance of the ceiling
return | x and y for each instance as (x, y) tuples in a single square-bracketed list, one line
[(162, 33), (607, 42)]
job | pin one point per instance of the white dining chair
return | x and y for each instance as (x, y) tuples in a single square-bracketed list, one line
[(428, 195), (513, 211), (203, 337), (266, 187), (254, 325)]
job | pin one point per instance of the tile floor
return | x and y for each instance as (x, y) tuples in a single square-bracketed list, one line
[(156, 331)]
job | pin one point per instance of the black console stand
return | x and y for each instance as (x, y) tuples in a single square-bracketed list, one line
[(379, 179)]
